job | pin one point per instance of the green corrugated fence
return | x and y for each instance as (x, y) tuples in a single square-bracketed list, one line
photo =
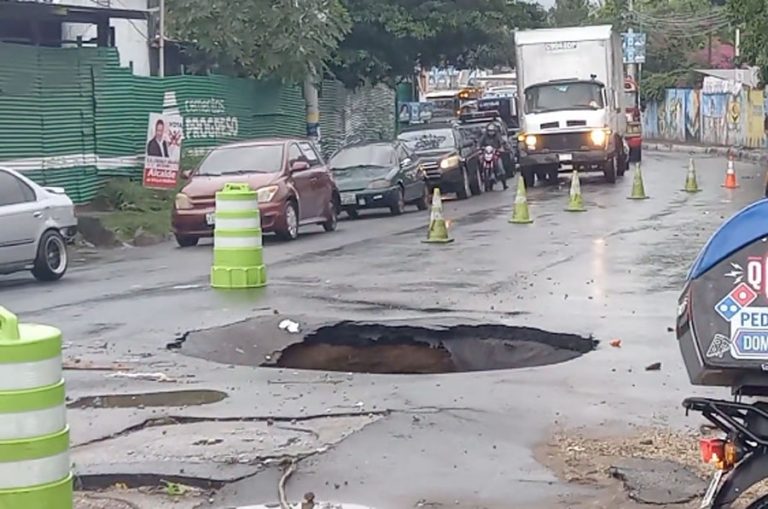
[(72, 117)]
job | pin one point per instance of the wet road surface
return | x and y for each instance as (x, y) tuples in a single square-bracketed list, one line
[(390, 441)]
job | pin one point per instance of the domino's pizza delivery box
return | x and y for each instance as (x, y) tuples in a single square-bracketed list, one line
[(722, 315)]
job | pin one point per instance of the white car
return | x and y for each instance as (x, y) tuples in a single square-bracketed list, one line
[(36, 223)]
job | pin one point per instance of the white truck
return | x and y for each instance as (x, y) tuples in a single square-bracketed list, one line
[(571, 102)]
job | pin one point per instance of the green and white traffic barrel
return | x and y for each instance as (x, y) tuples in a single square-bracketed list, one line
[(238, 261), (34, 437)]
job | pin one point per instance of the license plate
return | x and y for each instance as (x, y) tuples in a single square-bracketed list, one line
[(210, 218), (566, 157), (706, 502), (348, 198)]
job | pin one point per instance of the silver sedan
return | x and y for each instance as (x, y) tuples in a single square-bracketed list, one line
[(36, 223)]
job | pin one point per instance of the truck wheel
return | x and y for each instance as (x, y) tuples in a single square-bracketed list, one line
[(529, 177), (609, 170)]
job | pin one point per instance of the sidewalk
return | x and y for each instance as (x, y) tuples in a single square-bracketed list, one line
[(742, 153)]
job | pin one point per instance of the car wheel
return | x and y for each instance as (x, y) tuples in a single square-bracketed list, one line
[(291, 214), (399, 206), (464, 190), (52, 258), (609, 171), (423, 203), (353, 213), (184, 241), (476, 186), (333, 220)]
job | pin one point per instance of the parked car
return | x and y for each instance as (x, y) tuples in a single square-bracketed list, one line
[(378, 175), (293, 183), (36, 223)]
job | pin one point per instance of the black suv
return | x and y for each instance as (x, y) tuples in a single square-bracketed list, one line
[(448, 157)]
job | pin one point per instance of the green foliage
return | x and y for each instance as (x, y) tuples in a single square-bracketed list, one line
[(570, 13), (261, 38), (122, 194), (752, 17), (388, 39), (654, 85)]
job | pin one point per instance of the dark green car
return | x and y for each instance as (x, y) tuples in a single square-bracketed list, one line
[(378, 175)]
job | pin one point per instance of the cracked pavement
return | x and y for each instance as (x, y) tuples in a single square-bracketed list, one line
[(390, 441)]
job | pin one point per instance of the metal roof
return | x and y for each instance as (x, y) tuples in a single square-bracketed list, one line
[(570, 34)]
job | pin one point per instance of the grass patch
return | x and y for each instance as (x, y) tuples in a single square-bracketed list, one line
[(127, 207)]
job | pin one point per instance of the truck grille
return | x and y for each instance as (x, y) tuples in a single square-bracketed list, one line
[(563, 142), (431, 170)]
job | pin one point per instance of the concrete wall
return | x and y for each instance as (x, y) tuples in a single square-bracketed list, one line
[(723, 118)]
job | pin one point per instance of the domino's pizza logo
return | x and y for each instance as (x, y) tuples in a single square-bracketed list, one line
[(739, 298)]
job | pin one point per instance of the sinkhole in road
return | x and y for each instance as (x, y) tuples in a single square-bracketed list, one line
[(376, 348), (151, 399)]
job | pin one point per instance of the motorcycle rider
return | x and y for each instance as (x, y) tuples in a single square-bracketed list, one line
[(492, 137)]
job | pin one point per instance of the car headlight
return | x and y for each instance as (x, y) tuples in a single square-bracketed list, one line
[(183, 202), (265, 194), (449, 162), (598, 136), (379, 184)]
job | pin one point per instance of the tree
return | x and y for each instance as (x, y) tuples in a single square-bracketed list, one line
[(388, 39), (569, 13), (261, 38), (752, 17)]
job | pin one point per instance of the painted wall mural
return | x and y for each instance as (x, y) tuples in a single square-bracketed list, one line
[(711, 118)]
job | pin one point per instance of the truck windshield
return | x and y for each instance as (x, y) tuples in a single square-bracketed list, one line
[(564, 96)]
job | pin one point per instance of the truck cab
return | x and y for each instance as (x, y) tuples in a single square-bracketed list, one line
[(571, 104)]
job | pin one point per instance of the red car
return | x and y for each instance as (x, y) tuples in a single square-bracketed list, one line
[(293, 183)]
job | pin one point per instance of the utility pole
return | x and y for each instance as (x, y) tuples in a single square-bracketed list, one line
[(631, 67), (161, 42)]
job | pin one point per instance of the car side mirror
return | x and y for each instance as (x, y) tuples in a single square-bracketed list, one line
[(186, 174), (405, 162), (299, 166)]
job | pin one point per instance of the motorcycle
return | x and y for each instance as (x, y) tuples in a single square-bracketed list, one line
[(489, 162), (718, 351), (740, 456)]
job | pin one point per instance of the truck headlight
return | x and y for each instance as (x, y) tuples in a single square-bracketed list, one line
[(530, 142), (265, 194), (598, 136), (183, 202), (449, 162)]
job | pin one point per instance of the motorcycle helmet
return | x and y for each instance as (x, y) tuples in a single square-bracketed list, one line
[(491, 128)]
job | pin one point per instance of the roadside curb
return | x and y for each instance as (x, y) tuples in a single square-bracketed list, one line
[(746, 154)]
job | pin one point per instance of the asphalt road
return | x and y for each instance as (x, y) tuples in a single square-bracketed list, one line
[(390, 441)]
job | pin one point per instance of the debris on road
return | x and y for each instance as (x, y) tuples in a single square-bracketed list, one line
[(656, 366), (616, 343), (152, 377), (290, 326), (78, 365)]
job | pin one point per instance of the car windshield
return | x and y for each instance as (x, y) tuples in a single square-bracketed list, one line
[(564, 96), (473, 131), (428, 139), (243, 159), (363, 156)]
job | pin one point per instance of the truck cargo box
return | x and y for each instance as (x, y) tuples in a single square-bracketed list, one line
[(722, 315)]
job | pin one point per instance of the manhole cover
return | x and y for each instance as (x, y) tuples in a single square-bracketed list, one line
[(151, 399), (376, 348)]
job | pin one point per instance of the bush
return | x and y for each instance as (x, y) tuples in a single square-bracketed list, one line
[(122, 194)]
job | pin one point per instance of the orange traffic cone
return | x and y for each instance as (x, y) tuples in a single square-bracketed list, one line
[(730, 176)]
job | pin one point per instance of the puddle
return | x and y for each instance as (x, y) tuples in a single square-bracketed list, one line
[(375, 348), (151, 399)]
